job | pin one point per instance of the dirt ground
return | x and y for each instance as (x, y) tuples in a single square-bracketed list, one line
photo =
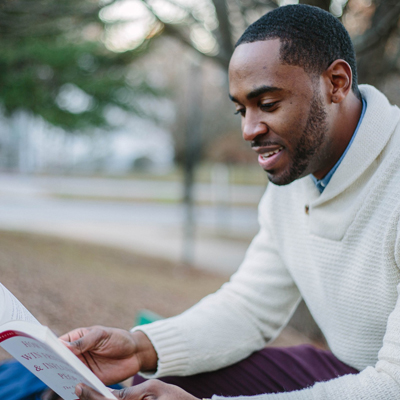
[(67, 284)]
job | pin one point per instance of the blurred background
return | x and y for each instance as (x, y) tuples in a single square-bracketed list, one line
[(124, 181)]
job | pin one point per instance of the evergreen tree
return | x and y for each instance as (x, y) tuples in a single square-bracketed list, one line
[(50, 49)]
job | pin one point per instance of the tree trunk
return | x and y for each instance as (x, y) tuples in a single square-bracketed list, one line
[(224, 31), (373, 63), (192, 157)]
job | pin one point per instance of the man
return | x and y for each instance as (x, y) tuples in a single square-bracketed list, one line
[(329, 233)]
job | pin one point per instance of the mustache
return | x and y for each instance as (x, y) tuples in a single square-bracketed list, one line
[(261, 143)]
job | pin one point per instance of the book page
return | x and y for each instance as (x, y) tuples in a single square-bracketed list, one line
[(11, 308), (50, 366)]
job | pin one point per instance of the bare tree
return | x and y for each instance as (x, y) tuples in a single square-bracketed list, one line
[(377, 47)]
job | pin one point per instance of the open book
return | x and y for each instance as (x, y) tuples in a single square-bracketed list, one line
[(39, 350)]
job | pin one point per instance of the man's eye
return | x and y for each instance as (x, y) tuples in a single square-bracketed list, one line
[(268, 106), (241, 111)]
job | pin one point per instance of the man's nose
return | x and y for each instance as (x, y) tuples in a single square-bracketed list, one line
[(252, 127)]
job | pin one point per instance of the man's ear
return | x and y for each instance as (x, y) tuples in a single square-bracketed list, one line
[(338, 78)]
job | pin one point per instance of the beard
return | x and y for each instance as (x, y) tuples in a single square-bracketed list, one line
[(308, 144)]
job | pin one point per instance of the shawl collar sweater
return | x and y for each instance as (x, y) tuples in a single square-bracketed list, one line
[(342, 256)]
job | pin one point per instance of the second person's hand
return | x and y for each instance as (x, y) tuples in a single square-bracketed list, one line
[(112, 354), (150, 390)]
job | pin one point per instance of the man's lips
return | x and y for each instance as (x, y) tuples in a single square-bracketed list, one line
[(268, 151), (268, 155)]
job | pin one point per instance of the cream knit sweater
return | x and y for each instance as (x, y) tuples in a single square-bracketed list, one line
[(342, 258)]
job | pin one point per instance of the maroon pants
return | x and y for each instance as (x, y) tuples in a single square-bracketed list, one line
[(271, 370)]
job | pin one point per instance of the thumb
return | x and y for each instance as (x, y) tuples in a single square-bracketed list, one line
[(129, 393), (85, 392), (72, 346), (68, 345), (119, 394)]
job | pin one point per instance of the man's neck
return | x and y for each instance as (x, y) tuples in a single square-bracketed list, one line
[(346, 119), (321, 183)]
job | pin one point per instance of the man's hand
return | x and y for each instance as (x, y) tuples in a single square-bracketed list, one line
[(149, 390), (112, 354)]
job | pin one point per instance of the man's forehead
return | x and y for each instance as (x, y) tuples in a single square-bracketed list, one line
[(255, 52), (256, 66)]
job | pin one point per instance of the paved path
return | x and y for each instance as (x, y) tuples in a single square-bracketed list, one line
[(126, 189), (38, 204)]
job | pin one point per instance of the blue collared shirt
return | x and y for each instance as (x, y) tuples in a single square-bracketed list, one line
[(321, 183)]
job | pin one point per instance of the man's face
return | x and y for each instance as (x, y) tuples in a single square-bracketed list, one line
[(282, 110)]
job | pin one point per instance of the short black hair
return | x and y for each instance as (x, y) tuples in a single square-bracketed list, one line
[(310, 38)]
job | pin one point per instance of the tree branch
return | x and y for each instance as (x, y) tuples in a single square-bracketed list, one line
[(172, 30), (254, 3), (225, 31), (373, 36)]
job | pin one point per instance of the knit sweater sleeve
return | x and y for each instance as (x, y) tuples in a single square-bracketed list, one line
[(230, 324)]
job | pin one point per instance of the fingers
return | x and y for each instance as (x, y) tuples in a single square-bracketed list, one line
[(150, 390), (69, 339), (139, 392), (84, 339), (86, 393), (68, 345), (74, 335)]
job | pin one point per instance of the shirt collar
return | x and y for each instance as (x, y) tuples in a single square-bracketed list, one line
[(321, 183)]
